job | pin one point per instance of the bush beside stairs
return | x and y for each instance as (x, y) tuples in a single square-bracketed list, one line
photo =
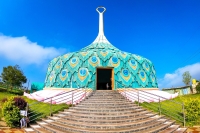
[(105, 111)]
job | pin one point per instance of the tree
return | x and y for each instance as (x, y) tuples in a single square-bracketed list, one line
[(12, 75), (186, 77)]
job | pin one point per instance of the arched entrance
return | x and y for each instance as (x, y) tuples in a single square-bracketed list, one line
[(105, 78)]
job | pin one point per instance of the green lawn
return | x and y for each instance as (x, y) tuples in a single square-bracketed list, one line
[(173, 109), (43, 109)]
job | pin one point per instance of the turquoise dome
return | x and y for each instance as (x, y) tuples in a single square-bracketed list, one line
[(79, 69)]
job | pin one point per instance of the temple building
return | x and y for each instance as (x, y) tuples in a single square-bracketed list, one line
[(100, 66)]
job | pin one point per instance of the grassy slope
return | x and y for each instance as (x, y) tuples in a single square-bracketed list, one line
[(171, 108), (42, 108)]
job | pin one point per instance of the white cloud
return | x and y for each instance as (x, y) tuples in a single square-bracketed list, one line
[(175, 79), (20, 49)]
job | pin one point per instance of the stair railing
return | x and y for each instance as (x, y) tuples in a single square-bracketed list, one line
[(71, 97), (170, 108)]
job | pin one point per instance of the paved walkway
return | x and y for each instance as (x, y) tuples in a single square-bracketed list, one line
[(11, 131), (195, 129), (189, 130)]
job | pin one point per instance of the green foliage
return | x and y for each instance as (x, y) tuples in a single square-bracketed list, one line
[(12, 75), (192, 110), (186, 77), (14, 91), (198, 88), (11, 113)]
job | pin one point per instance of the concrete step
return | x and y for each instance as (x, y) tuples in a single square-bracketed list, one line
[(107, 105), (103, 121), (141, 128), (134, 109), (170, 129), (136, 116), (105, 113), (29, 130), (121, 98), (106, 123), (106, 100), (39, 129), (106, 94), (159, 128), (106, 97), (180, 130), (105, 91), (51, 128), (104, 109)]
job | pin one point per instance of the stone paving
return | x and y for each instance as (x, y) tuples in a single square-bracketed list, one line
[(11, 130), (195, 129)]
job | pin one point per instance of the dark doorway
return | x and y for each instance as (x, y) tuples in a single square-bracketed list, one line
[(104, 79)]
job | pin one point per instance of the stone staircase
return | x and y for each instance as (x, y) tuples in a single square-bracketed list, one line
[(105, 111)]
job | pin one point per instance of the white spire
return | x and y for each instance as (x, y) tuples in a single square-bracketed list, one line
[(101, 38)]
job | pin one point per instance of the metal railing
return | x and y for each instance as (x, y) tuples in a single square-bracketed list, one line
[(71, 98), (162, 105)]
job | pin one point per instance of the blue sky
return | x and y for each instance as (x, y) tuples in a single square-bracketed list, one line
[(167, 32)]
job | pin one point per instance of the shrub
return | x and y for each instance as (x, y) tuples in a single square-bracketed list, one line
[(198, 88), (11, 113), (192, 110), (20, 103), (16, 92)]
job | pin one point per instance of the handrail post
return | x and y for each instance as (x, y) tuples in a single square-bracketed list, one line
[(51, 107), (183, 109), (125, 94), (159, 107), (26, 112), (72, 98), (138, 97), (85, 93)]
